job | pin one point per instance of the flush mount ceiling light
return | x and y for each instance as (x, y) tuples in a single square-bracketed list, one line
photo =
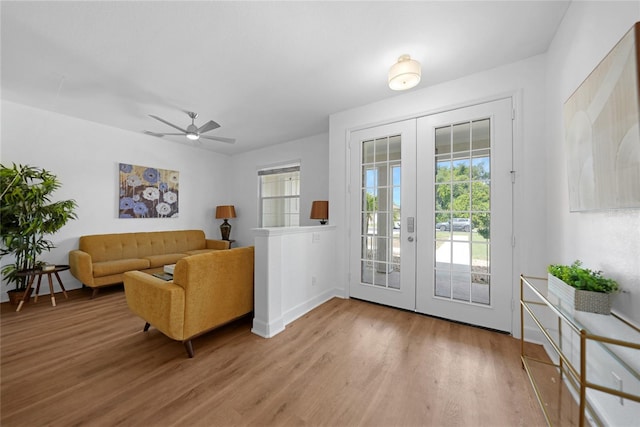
[(404, 74)]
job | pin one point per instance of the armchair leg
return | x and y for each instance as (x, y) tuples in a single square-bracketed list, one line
[(189, 347), (146, 327), (94, 293)]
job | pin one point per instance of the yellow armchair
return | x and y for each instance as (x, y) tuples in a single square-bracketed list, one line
[(207, 291)]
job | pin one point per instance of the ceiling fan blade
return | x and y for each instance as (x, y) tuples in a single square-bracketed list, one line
[(219, 138), (160, 135), (167, 123), (148, 132), (210, 125)]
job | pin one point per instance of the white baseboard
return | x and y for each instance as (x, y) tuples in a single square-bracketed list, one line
[(267, 330), (270, 329), (306, 306)]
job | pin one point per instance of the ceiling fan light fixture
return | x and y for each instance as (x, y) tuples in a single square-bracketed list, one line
[(405, 73), (192, 132), (192, 129)]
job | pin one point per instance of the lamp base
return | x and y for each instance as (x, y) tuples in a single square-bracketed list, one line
[(225, 230)]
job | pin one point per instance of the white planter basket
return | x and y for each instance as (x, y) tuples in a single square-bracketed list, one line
[(574, 299)]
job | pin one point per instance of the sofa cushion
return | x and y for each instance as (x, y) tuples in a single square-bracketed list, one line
[(106, 268), (161, 260)]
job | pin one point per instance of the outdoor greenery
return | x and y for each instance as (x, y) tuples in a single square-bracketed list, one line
[(582, 278), (27, 215), (455, 192), (462, 186)]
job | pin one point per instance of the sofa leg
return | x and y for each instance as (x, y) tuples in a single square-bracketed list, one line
[(189, 347), (146, 327), (94, 293)]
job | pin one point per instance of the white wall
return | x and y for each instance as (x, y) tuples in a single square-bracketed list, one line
[(524, 80), (85, 156), (294, 274), (606, 240), (312, 153)]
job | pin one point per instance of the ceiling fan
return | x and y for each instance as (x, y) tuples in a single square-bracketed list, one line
[(192, 132)]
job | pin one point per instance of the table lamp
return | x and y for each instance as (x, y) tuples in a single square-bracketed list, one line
[(225, 212), (320, 210)]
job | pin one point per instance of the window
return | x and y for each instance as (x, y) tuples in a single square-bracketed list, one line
[(280, 196)]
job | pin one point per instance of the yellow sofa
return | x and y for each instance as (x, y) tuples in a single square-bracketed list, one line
[(207, 291), (102, 259)]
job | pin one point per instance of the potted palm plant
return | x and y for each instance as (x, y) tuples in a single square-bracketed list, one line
[(580, 288), (27, 216)]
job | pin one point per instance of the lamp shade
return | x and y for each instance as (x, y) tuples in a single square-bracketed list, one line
[(320, 210), (225, 211), (404, 74)]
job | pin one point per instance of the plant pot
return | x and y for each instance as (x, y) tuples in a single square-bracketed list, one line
[(15, 296), (572, 299)]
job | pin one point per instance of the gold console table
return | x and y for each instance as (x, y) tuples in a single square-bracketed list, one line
[(573, 367)]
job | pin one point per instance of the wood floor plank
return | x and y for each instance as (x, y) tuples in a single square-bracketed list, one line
[(346, 363)]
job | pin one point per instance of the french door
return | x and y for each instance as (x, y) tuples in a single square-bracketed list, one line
[(432, 207), (464, 201), (383, 206)]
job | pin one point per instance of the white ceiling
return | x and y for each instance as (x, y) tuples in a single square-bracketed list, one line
[(268, 72)]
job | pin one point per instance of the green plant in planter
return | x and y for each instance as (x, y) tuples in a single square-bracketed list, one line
[(27, 215), (582, 278)]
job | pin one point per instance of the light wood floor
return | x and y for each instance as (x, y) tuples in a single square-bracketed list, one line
[(346, 363)]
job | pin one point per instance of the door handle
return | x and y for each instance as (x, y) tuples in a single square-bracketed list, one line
[(411, 224), (410, 238)]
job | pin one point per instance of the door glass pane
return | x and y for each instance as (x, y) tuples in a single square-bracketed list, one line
[(461, 140), (461, 169), (381, 212), (443, 169), (443, 283), (460, 288), (394, 147), (382, 147), (481, 169), (462, 269), (367, 152), (480, 134), (443, 141)]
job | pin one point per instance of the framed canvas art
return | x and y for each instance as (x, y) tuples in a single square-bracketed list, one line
[(602, 131), (146, 192)]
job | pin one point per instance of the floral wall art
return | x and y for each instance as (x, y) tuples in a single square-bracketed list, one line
[(147, 192)]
